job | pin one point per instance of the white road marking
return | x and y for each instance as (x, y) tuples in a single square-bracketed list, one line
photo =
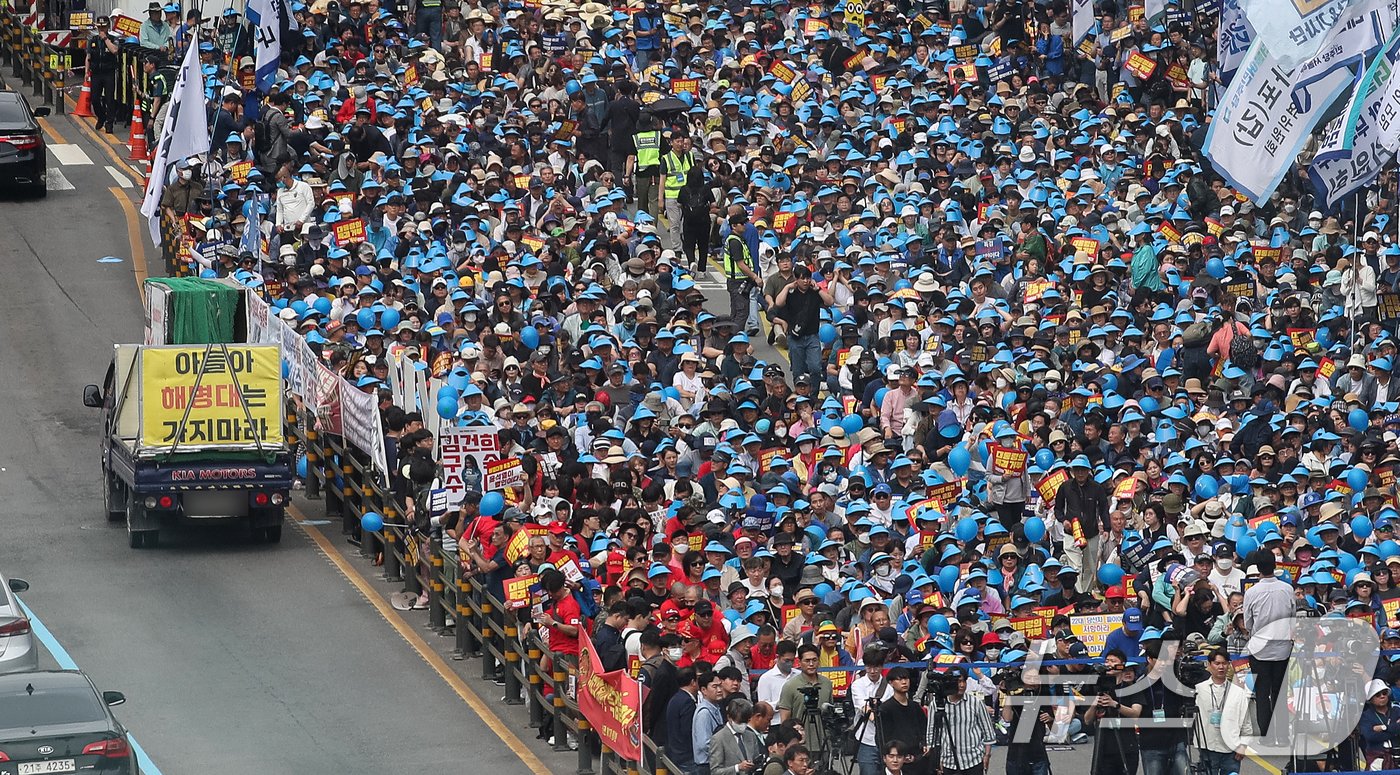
[(122, 180), (69, 154), (57, 182)]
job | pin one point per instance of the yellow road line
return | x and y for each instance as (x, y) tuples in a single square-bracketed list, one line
[(1259, 760), (416, 642), (133, 236), (53, 133)]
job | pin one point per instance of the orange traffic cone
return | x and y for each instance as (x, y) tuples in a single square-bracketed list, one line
[(84, 108), (139, 151)]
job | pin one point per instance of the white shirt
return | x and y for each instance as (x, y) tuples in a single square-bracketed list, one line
[(294, 203), (770, 685), (1210, 699), (1225, 583), (862, 689)]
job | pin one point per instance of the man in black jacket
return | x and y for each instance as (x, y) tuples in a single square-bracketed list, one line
[(607, 638), (1082, 506)]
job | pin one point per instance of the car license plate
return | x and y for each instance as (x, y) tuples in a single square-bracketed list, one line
[(52, 765)]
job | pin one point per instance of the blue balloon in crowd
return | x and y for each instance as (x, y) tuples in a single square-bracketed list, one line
[(1110, 574), (880, 396), (1346, 561), (302, 467), (1246, 545), (365, 318), (371, 522), (1388, 549), (389, 318), (447, 407), (1045, 457), (852, 423), (966, 529), (984, 450), (826, 333), (448, 391), (491, 504), (530, 337), (1035, 529), (322, 305), (1215, 268), (938, 624), (1362, 526), (948, 578), (1357, 478), (1207, 487), (959, 459), (1358, 419)]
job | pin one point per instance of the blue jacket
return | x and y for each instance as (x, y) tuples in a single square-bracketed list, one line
[(680, 714)]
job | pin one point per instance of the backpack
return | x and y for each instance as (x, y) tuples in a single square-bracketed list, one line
[(262, 136), (1242, 352)]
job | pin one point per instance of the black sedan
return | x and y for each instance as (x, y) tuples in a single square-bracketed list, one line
[(55, 721), (24, 159)]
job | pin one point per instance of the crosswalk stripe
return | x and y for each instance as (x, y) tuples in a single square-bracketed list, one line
[(122, 180), (69, 154), (57, 182)]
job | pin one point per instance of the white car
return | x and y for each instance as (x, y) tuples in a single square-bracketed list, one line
[(18, 652)]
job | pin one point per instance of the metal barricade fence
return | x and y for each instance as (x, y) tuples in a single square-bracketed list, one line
[(481, 625), (39, 66)]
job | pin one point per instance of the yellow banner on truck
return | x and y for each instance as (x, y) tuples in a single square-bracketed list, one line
[(223, 396)]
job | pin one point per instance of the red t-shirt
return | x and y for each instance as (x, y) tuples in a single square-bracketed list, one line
[(566, 611)]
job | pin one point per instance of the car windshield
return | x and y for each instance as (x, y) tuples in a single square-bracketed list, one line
[(46, 706)]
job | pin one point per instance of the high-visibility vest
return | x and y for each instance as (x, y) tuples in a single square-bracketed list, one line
[(678, 168), (732, 270), (648, 149)]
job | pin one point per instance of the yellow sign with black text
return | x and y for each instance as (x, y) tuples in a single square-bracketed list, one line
[(214, 396)]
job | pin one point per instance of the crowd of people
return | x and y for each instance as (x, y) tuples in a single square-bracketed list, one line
[(835, 339)]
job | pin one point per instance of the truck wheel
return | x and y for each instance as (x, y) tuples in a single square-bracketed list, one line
[(273, 534), (115, 509), (137, 538)]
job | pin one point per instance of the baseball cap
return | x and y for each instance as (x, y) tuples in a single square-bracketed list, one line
[(1132, 620)]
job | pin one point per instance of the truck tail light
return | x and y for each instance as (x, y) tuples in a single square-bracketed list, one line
[(160, 501), (261, 499), (278, 499)]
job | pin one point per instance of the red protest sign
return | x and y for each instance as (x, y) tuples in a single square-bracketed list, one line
[(349, 231)]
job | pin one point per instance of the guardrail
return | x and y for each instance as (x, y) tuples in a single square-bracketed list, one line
[(459, 606), (41, 67)]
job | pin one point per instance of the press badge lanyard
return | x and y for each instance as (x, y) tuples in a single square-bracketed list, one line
[(1215, 705)]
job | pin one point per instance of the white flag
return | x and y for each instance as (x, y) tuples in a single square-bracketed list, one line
[(1350, 153), (1366, 27), (1082, 19), (1257, 131), (1294, 29), (266, 17), (1233, 40), (184, 134), (1387, 118)]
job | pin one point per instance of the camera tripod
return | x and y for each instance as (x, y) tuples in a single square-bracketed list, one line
[(941, 730)]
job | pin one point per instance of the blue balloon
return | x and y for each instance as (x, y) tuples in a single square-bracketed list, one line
[(447, 407), (1207, 487), (880, 396), (1389, 549), (530, 337), (948, 578), (301, 467), (1346, 561), (1323, 337), (852, 423), (1215, 268), (959, 459), (826, 333), (1357, 478), (1110, 574), (1035, 529), (371, 522), (389, 318), (1362, 526), (966, 529), (938, 624), (1358, 419), (365, 318), (984, 450), (1045, 458), (1246, 546), (322, 305), (1239, 483), (492, 504), (448, 391)]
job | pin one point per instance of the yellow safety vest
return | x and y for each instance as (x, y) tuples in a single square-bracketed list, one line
[(677, 169), (648, 150), (732, 270)]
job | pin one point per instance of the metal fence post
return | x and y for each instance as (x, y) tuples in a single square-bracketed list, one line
[(437, 611), (391, 557), (510, 647), (585, 747), (463, 609), (313, 463), (488, 660), (561, 732), (536, 693)]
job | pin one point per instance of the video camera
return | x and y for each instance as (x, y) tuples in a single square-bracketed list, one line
[(811, 698), (1106, 682)]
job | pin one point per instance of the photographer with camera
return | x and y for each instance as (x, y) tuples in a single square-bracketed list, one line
[(1117, 706), (736, 749), (1025, 749), (1215, 754), (965, 741), (868, 690), (804, 695)]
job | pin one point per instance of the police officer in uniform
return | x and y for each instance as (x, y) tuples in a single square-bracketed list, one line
[(674, 168), (103, 61), (646, 164), (739, 274), (429, 19)]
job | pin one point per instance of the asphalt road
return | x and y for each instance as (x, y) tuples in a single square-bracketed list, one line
[(234, 657)]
